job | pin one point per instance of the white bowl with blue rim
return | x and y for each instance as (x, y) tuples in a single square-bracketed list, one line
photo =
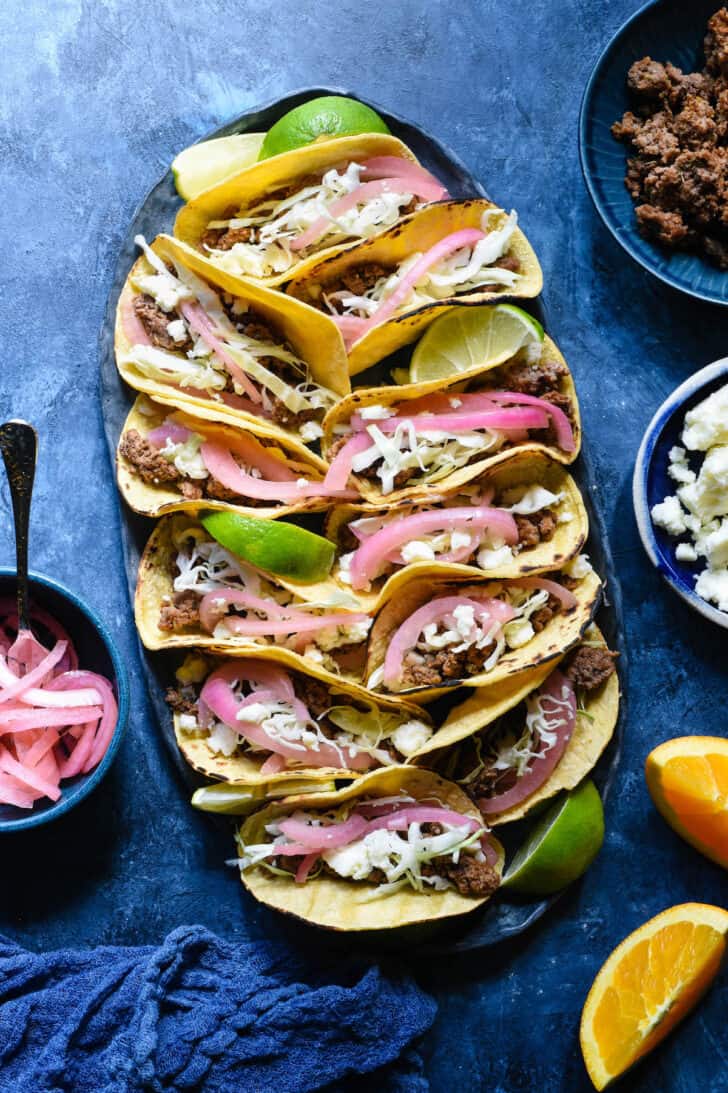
[(651, 484)]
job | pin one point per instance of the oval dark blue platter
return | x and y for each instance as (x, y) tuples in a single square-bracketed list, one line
[(505, 916), (666, 31)]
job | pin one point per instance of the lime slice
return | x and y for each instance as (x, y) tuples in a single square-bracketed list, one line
[(561, 846), (472, 337), (284, 549), (320, 119), (228, 799), (204, 165)]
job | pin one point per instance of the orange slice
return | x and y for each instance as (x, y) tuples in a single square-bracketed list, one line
[(688, 782), (648, 984)]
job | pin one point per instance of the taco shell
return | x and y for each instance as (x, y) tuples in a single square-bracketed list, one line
[(152, 500), (593, 731), (311, 334), (245, 769), (252, 184), (546, 647), (339, 904), (523, 468), (415, 234), (342, 413)]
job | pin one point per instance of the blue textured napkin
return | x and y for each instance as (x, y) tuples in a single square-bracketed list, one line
[(203, 1014)]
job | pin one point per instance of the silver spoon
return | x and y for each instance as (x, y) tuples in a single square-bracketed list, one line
[(19, 446)]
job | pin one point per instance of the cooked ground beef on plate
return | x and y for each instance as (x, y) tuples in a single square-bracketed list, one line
[(677, 132), (155, 322)]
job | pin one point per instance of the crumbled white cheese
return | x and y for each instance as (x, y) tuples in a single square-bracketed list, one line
[(686, 552), (493, 559), (310, 431), (670, 516), (579, 567), (700, 508), (417, 551), (177, 330), (188, 722), (375, 413), (517, 633), (410, 737)]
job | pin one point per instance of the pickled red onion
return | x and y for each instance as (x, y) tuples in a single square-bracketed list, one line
[(220, 463), (367, 561), (558, 691), (55, 722), (131, 324), (487, 611), (418, 179), (463, 421), (466, 237), (201, 323), (364, 192)]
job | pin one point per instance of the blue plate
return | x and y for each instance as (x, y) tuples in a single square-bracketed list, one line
[(96, 653), (651, 484), (664, 31)]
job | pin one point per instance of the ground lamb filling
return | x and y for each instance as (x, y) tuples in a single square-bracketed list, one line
[(542, 380), (155, 469), (678, 134), (475, 765)]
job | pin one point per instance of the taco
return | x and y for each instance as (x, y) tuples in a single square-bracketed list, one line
[(436, 634), (522, 516), (517, 744), (396, 847), (191, 591), (280, 216), (226, 350), (254, 721), (168, 461), (396, 448), (383, 293)]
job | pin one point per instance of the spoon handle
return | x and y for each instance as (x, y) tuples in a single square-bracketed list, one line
[(19, 446)]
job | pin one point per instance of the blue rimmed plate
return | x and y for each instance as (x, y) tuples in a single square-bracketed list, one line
[(665, 31), (651, 484)]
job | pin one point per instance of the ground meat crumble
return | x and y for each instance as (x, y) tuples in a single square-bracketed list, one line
[(590, 666), (677, 131)]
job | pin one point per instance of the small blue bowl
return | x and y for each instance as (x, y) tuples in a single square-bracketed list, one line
[(665, 31), (651, 484), (96, 653)]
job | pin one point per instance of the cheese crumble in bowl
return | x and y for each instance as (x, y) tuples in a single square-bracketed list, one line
[(680, 491)]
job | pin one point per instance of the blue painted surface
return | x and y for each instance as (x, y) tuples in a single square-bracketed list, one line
[(95, 101)]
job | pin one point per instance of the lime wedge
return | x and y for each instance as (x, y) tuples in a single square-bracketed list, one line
[(320, 119), (203, 165), (472, 337), (561, 846), (227, 799), (284, 549)]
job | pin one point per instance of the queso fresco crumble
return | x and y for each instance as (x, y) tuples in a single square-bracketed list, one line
[(697, 513)]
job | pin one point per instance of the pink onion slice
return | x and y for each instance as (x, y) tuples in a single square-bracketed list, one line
[(131, 324), (338, 473), (466, 237), (423, 814), (305, 868), (562, 425), (487, 611), (201, 323), (558, 700), (220, 463), (325, 836), (419, 180), (462, 421), (368, 560), (365, 192), (170, 430)]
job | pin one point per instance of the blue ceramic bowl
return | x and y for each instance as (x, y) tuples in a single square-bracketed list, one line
[(651, 484), (96, 653), (666, 31)]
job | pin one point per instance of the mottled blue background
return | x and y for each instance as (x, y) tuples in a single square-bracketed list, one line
[(95, 99)]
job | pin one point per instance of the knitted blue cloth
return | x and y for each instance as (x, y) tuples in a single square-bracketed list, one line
[(203, 1014)]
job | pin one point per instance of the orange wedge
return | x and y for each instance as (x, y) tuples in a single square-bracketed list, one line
[(688, 782), (648, 984)]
